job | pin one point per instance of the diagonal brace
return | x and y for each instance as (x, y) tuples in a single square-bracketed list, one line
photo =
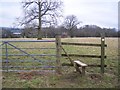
[(22, 51)]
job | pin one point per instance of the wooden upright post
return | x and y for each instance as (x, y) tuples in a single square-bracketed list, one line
[(102, 53), (58, 53)]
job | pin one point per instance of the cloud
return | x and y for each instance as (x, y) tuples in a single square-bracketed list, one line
[(9, 12), (103, 13), (10, 1), (99, 12)]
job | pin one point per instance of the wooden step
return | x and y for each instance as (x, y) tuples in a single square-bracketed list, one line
[(79, 64)]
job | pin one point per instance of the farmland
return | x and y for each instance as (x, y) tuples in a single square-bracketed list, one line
[(69, 78)]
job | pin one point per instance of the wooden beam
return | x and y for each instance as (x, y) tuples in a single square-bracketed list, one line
[(82, 44), (89, 65), (68, 56), (90, 56), (92, 65), (80, 63)]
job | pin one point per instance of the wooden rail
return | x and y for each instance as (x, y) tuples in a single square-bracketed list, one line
[(93, 65), (77, 55), (102, 45), (82, 44)]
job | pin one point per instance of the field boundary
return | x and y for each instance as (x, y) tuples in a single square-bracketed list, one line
[(58, 55), (102, 57)]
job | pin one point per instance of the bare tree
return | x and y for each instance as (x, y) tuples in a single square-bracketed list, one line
[(71, 23), (41, 12)]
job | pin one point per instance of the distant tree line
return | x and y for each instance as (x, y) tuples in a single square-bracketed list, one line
[(85, 31), (6, 32), (50, 32), (69, 28)]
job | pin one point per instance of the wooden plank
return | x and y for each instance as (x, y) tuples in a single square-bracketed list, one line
[(89, 65), (80, 63), (90, 56), (82, 44), (92, 65)]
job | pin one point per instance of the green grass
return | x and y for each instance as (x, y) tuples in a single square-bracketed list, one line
[(69, 78)]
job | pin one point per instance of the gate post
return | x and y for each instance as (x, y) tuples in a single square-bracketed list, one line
[(6, 54), (58, 53), (102, 53)]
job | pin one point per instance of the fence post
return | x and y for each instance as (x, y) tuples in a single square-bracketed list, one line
[(102, 53), (6, 52), (58, 53)]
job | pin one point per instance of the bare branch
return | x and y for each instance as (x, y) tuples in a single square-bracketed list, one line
[(49, 8), (71, 22)]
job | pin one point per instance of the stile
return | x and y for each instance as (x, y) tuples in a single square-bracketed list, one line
[(102, 56), (79, 64)]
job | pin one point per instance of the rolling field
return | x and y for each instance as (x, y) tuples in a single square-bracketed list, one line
[(69, 78)]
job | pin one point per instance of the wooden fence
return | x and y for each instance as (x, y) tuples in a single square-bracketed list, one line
[(58, 54), (102, 56)]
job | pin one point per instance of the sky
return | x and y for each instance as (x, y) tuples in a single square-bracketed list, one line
[(103, 13)]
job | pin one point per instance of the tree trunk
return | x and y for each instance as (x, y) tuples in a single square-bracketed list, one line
[(39, 28)]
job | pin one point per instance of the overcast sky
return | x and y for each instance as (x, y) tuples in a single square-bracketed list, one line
[(103, 13)]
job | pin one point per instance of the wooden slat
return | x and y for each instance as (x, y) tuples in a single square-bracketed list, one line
[(80, 63), (77, 55), (92, 65), (82, 44), (89, 65)]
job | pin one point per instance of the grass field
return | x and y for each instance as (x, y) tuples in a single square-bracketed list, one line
[(69, 78)]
